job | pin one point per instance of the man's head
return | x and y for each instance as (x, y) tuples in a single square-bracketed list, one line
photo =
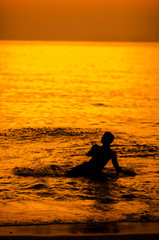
[(107, 138)]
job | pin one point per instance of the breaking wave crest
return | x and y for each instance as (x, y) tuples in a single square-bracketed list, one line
[(52, 170), (125, 145), (57, 171), (32, 133)]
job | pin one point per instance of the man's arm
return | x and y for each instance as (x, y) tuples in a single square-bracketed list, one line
[(115, 163), (92, 151)]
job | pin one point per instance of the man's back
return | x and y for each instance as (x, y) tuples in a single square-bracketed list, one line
[(100, 156)]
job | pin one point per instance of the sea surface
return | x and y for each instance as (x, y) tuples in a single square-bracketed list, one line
[(56, 101)]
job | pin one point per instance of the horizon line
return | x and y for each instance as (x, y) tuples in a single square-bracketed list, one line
[(41, 40)]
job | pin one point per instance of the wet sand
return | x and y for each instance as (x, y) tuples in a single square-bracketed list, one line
[(100, 231)]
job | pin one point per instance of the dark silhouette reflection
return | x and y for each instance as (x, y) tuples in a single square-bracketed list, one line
[(100, 157)]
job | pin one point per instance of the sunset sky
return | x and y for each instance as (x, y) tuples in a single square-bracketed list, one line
[(90, 20)]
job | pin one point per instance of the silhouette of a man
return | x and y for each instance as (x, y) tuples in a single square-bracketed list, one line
[(100, 157)]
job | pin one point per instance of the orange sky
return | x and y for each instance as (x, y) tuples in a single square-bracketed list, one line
[(99, 20)]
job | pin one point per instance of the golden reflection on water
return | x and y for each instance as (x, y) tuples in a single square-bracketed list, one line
[(62, 84)]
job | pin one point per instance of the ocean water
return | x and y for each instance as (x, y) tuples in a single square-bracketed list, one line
[(56, 101)]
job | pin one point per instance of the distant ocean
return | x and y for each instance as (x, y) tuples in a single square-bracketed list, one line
[(56, 101)]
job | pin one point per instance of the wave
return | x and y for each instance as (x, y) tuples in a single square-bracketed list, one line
[(92, 222), (126, 146), (136, 150), (58, 171), (51, 170), (32, 133)]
